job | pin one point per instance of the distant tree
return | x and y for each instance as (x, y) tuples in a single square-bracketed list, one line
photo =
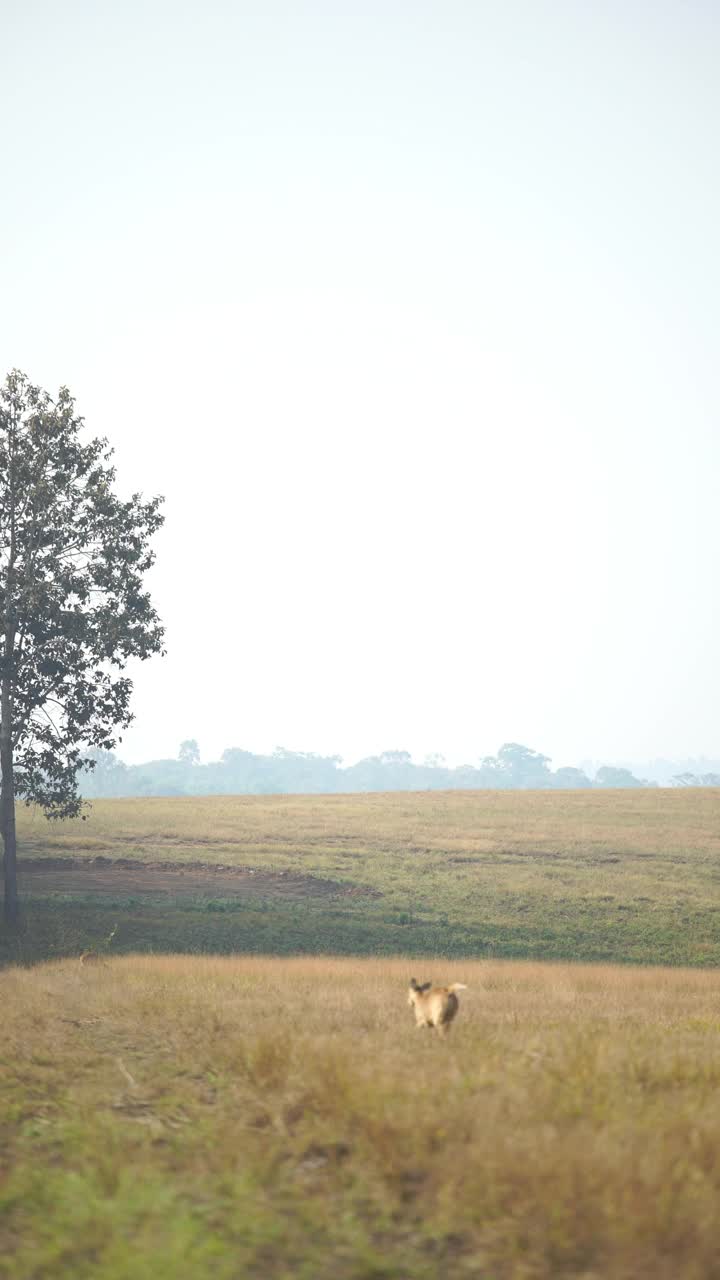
[(298, 771), (568, 778), (189, 752), (466, 777), (522, 767), (609, 776), (107, 776), (72, 605), (696, 780), (389, 771), (435, 761)]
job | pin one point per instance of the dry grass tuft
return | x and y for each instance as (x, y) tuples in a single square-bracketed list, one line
[(179, 1117)]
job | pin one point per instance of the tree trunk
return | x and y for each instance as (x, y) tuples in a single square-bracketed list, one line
[(7, 806)]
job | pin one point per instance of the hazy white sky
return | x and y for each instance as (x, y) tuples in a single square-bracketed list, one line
[(411, 311)]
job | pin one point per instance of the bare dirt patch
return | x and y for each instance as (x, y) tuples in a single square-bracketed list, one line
[(174, 879)]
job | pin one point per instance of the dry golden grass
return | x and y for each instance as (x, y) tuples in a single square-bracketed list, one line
[(250, 1117), (278, 828)]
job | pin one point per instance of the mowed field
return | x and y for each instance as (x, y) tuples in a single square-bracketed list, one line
[(625, 876), (197, 1118)]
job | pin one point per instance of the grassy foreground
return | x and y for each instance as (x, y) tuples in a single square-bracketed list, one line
[(625, 876), (182, 1119)]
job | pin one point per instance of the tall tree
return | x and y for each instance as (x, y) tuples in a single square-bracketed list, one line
[(189, 752), (72, 605), (519, 766)]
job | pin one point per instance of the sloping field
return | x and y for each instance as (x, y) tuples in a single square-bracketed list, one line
[(585, 824), (586, 875), (185, 1118)]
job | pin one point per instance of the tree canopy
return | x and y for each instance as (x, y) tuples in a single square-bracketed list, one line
[(73, 605), (240, 772)]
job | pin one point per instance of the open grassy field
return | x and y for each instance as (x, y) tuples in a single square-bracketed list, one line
[(183, 1118), (628, 876)]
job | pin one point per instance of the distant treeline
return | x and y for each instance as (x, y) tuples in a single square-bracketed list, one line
[(240, 772)]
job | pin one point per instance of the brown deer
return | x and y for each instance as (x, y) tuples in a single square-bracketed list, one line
[(434, 1006)]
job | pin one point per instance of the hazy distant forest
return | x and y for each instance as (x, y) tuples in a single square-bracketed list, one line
[(240, 772)]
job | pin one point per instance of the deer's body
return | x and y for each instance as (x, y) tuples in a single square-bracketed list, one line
[(434, 1006)]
